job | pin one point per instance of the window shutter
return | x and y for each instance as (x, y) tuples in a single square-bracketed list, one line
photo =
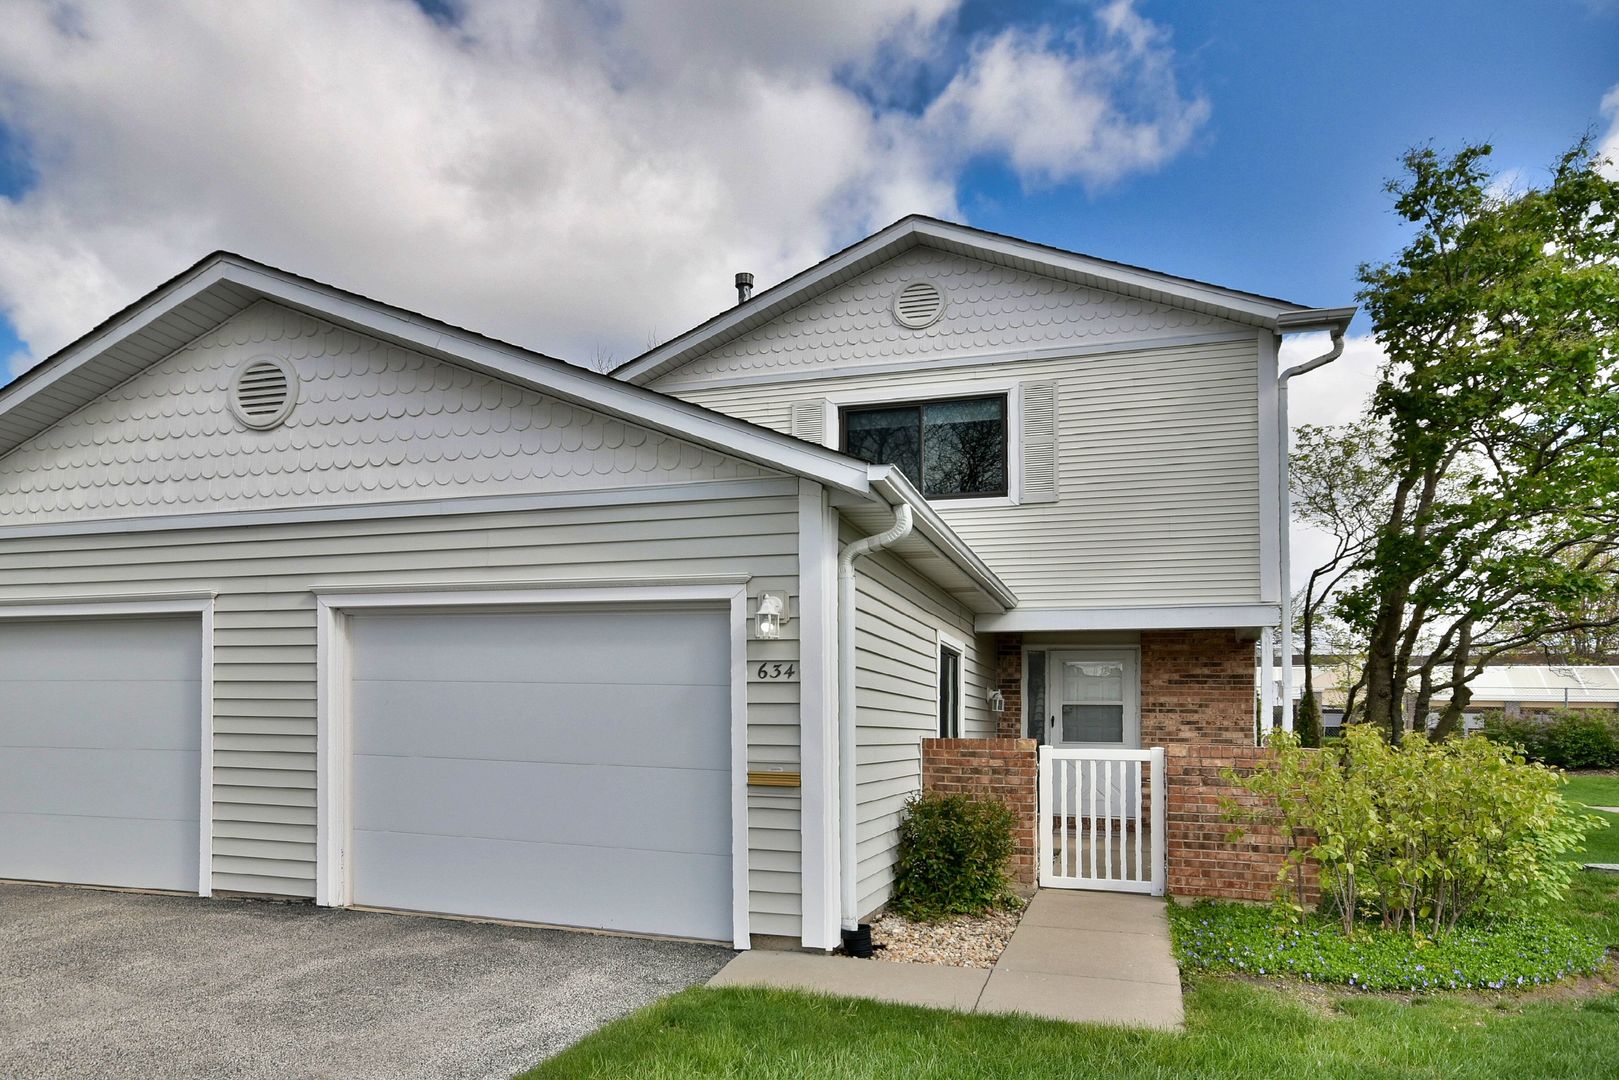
[(809, 420), (1039, 406)]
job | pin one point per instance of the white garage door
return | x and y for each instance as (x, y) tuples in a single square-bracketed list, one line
[(100, 728), (567, 767)]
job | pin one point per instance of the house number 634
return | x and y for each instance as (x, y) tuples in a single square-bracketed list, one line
[(775, 671)]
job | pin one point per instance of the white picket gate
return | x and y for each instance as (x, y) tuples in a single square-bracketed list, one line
[(1092, 833)]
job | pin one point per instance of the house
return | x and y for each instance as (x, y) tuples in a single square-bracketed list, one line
[(1515, 685), (304, 595)]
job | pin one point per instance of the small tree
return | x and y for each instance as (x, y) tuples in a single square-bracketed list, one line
[(1307, 721), (1500, 404)]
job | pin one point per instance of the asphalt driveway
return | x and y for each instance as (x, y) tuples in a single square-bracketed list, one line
[(120, 985)]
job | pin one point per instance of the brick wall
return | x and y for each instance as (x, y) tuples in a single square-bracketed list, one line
[(1203, 860), (1009, 681), (1197, 686), (1005, 769)]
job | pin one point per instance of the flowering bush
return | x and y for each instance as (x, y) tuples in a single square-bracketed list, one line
[(1424, 835), (1497, 956)]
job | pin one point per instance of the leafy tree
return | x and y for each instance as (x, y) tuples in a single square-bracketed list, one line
[(1500, 406)]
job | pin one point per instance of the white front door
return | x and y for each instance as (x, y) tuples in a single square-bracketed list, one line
[(1094, 704)]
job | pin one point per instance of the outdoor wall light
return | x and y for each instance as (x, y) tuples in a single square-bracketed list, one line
[(772, 613), (997, 701)]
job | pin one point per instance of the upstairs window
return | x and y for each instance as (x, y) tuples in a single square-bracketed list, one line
[(954, 448)]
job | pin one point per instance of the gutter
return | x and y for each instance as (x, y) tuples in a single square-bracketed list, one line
[(893, 486), (847, 732), (1336, 322)]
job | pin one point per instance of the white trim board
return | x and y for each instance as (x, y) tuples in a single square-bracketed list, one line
[(201, 606), (333, 755), (1200, 617)]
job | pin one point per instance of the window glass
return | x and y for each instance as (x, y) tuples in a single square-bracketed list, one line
[(886, 437), (964, 447), (1093, 680), (1034, 663), (1093, 723), (946, 448), (949, 693)]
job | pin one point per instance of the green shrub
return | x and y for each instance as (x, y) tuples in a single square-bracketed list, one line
[(953, 854), (1493, 956), (1524, 732), (1568, 740), (1424, 835), (1581, 740)]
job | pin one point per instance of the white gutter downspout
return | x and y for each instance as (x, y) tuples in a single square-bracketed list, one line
[(1285, 511), (846, 706)]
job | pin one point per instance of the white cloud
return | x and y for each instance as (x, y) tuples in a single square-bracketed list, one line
[(1335, 394), (1062, 109), (572, 176), (1338, 392), (1608, 146)]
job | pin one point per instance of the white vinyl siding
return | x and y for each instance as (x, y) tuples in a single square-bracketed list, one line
[(1157, 472), (264, 673), (899, 616)]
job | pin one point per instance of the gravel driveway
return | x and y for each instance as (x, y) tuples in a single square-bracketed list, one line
[(120, 985)]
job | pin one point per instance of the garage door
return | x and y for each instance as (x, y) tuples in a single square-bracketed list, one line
[(566, 767), (100, 724)]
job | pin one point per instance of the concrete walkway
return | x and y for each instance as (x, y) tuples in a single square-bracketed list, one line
[(1084, 957)]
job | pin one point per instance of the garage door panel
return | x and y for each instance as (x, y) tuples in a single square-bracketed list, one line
[(580, 647), (655, 893), (129, 853), (99, 650), (104, 714), (634, 725), (569, 767), (632, 808), (141, 784), (100, 759)]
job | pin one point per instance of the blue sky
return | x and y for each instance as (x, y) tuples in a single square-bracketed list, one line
[(1275, 187)]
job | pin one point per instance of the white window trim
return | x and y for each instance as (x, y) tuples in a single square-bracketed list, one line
[(333, 669), (200, 605), (1012, 389), (1131, 654), (942, 642)]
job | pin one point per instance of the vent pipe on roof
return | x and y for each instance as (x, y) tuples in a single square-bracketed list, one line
[(744, 286)]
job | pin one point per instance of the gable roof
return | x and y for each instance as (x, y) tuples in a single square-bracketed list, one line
[(224, 284), (1249, 309)]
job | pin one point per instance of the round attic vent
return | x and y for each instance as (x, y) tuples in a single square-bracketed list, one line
[(919, 304), (263, 392)]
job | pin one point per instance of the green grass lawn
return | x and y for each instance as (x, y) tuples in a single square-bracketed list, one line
[(1234, 1028)]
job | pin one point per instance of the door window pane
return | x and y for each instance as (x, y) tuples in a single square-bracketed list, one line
[(964, 447), (1093, 680), (886, 437), (1093, 723)]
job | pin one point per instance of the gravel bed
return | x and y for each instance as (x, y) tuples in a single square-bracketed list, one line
[(974, 941)]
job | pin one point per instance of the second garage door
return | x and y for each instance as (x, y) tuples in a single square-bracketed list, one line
[(566, 767), (100, 759)]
